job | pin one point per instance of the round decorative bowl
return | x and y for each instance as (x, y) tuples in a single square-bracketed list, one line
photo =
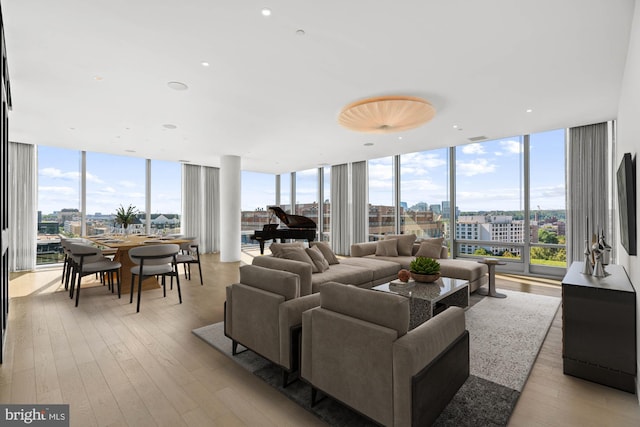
[(426, 278)]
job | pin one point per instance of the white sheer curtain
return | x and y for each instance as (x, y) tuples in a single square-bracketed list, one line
[(587, 184), (200, 205), (23, 204), (340, 238), (360, 208)]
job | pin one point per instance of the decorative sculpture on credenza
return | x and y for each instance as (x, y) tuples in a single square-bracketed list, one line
[(588, 267), (596, 253)]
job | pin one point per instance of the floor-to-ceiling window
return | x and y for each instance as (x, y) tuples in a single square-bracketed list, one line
[(326, 206), (114, 181), (547, 197), (58, 201), (381, 198), (424, 187), (489, 211), (166, 203), (307, 193), (258, 192), (285, 192)]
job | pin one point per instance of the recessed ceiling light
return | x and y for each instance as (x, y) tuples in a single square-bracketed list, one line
[(169, 126), (130, 151), (455, 126), (300, 32), (72, 128), (368, 144), (399, 137), (529, 110), (177, 86), (204, 64), (266, 12)]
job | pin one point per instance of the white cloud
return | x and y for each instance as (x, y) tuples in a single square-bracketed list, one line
[(475, 167), (512, 147), (128, 184), (52, 192), (56, 173), (474, 148)]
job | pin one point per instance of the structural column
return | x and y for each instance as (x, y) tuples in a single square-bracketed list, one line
[(230, 210)]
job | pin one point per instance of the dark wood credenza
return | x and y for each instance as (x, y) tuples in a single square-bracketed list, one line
[(599, 327)]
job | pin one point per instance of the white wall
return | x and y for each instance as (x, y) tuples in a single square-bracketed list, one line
[(627, 142)]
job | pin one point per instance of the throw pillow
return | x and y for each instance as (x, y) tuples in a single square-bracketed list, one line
[(276, 248), (430, 248), (326, 251), (298, 254), (387, 248), (318, 259), (404, 242)]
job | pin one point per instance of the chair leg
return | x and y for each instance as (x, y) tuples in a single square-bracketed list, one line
[(184, 265), (131, 289), (164, 285), (177, 284), (234, 347), (64, 270), (118, 279), (139, 291), (78, 290), (200, 271), (314, 396)]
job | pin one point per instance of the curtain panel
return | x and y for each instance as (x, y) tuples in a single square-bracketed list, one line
[(587, 187), (200, 205), (340, 239), (23, 205), (360, 211)]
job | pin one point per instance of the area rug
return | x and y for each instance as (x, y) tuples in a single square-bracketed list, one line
[(505, 338)]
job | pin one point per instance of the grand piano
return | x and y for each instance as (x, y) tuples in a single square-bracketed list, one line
[(295, 227)]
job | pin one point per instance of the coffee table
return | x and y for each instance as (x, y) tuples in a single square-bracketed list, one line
[(428, 299)]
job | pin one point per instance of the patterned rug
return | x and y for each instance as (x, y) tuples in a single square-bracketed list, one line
[(505, 338)]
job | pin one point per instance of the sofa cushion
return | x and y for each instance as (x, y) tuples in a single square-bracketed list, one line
[(318, 259), (326, 251), (430, 248), (276, 248), (384, 309), (298, 254), (343, 273), (462, 269), (401, 261), (381, 269), (404, 241), (388, 248)]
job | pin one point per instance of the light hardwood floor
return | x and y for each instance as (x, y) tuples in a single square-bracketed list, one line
[(118, 368)]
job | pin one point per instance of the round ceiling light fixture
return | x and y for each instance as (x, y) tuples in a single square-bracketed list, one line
[(169, 126), (266, 12), (386, 114), (177, 86)]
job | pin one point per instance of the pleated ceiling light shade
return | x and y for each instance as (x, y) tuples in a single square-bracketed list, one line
[(386, 114)]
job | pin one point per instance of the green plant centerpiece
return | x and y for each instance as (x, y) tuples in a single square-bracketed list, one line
[(424, 269), (126, 216)]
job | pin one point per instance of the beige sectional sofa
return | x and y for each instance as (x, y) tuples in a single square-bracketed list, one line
[(473, 271), (364, 268)]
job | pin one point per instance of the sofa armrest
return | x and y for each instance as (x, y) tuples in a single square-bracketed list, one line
[(290, 315), (363, 249), (418, 348), (302, 269)]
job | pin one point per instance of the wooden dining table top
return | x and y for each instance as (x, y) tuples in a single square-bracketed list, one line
[(132, 240)]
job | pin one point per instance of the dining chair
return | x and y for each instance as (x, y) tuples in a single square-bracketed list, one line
[(154, 260), (67, 262), (86, 260), (190, 254)]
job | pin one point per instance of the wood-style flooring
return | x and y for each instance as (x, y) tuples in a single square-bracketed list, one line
[(118, 368)]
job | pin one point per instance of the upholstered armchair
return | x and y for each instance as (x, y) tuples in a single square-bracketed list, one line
[(264, 314), (356, 348)]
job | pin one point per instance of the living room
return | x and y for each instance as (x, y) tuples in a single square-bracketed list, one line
[(623, 91)]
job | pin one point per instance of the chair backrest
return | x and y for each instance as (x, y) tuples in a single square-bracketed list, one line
[(275, 281), (87, 253), (154, 254), (192, 244)]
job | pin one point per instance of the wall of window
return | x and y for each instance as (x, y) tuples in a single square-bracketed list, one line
[(382, 209), (424, 187), (111, 181), (166, 202), (326, 206), (307, 193), (258, 192), (547, 197), (114, 181), (58, 201)]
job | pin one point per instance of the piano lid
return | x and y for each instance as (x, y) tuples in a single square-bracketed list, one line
[(292, 221)]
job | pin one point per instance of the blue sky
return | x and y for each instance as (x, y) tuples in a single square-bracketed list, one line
[(489, 177)]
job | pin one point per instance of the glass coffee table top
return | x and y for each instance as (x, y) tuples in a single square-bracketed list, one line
[(435, 291)]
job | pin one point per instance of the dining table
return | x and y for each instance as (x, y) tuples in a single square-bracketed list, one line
[(122, 244)]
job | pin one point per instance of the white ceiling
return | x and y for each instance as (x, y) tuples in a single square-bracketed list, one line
[(272, 96)]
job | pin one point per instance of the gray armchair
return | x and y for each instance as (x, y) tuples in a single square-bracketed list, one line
[(264, 314), (356, 348)]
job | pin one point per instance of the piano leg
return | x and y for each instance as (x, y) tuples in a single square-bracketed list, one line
[(261, 247)]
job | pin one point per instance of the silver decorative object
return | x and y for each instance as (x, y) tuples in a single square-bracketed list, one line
[(598, 251), (606, 248), (588, 268)]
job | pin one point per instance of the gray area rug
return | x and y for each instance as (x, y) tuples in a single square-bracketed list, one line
[(505, 338)]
